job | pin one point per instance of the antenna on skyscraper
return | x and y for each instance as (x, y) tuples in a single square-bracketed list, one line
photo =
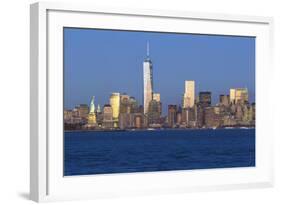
[(147, 48)]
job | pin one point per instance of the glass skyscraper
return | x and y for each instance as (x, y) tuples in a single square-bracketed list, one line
[(147, 82)]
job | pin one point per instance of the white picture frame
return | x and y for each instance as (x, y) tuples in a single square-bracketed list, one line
[(47, 182)]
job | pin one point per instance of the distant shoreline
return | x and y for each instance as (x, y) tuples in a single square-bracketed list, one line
[(165, 129)]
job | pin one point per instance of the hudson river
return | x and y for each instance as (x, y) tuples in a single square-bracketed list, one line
[(159, 150)]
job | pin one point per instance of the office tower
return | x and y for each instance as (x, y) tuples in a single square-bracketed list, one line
[(82, 111), (172, 114), (212, 117), (67, 116), (125, 103), (232, 95), (189, 94), (247, 114), (239, 112), (138, 120), (98, 109), (154, 112), (188, 116), (126, 120), (92, 114), (156, 97), (253, 106), (107, 116), (92, 105), (147, 82), (134, 108), (114, 101), (239, 95), (99, 116), (224, 100), (179, 118), (205, 99)]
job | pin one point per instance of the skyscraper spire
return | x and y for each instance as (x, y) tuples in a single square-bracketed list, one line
[(92, 105), (147, 81), (147, 49)]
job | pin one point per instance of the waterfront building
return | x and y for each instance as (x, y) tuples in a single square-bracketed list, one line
[(172, 114), (92, 113), (179, 118), (107, 116), (189, 94), (138, 120), (246, 114), (67, 115), (147, 82), (212, 117), (99, 119), (82, 111), (205, 99), (99, 116), (253, 106), (154, 112), (239, 112), (126, 120), (199, 115), (191, 117), (72, 120), (239, 95), (114, 101), (184, 116)]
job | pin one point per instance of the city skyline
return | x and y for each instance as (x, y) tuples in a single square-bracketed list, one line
[(167, 86)]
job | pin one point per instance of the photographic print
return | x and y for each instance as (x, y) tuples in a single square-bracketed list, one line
[(139, 101)]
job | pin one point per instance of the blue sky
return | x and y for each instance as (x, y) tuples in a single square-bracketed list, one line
[(99, 62)]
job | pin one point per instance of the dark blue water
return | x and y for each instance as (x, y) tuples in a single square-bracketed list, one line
[(141, 151)]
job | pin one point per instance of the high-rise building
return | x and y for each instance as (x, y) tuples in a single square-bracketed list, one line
[(188, 116), (179, 118), (189, 94), (156, 97), (67, 116), (92, 105), (82, 111), (154, 112), (126, 120), (98, 109), (224, 100), (115, 104), (212, 117), (172, 115), (205, 99), (134, 108), (147, 82), (138, 120), (239, 95), (125, 103), (107, 116), (92, 114)]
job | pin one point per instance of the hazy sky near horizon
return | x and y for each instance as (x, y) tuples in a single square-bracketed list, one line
[(99, 62)]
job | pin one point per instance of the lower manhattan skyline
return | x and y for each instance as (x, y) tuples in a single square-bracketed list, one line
[(101, 62), (148, 101)]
